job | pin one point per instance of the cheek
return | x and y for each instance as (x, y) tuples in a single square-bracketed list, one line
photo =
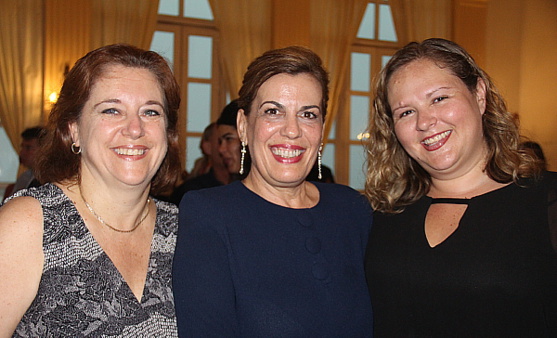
[(234, 148), (264, 130), (406, 137), (401, 133), (164, 142), (315, 132), (159, 129)]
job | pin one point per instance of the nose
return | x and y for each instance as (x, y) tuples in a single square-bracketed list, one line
[(426, 119), (135, 127), (291, 128)]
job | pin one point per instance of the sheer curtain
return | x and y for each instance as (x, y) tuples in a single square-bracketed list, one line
[(245, 33), (417, 20), (123, 21), (21, 72), (26, 53), (334, 25)]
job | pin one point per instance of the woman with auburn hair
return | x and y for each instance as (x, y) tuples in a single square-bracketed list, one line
[(274, 255), (89, 253), (465, 229)]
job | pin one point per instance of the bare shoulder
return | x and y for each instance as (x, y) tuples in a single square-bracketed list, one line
[(21, 219), (21, 259), (21, 209)]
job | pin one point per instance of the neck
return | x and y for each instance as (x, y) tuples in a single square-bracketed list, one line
[(123, 209), (467, 186), (304, 195)]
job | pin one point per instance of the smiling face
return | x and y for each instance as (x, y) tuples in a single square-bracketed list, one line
[(122, 128), (284, 129), (437, 119)]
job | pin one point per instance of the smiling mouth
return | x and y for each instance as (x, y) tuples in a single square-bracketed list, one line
[(436, 138), (129, 152), (287, 153)]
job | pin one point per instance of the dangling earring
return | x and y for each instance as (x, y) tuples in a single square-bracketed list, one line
[(74, 147), (243, 151), (319, 175)]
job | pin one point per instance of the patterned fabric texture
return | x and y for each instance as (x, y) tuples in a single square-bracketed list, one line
[(81, 293)]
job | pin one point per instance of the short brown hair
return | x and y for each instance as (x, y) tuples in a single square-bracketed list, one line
[(57, 162), (394, 179), (291, 60)]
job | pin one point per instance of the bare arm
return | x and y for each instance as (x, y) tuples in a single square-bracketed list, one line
[(21, 259)]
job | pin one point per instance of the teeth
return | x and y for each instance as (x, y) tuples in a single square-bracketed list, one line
[(130, 152), (436, 138), (287, 153)]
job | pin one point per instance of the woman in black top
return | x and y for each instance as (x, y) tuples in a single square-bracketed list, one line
[(462, 240)]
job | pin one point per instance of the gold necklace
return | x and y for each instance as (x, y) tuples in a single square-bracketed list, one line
[(110, 226)]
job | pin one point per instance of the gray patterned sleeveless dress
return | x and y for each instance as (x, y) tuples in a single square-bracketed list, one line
[(82, 294)]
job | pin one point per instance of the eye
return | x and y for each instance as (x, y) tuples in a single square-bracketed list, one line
[(271, 111), (151, 112), (405, 113), (439, 99), (110, 111), (309, 115)]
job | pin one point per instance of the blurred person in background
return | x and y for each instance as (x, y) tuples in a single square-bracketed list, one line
[(216, 173), (30, 143)]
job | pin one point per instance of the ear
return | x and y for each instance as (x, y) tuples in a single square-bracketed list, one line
[(323, 130), (74, 132), (242, 125), (481, 95)]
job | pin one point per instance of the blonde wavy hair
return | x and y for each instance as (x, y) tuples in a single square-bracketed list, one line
[(395, 180)]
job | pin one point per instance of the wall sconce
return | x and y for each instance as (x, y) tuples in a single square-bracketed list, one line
[(49, 103), (53, 97), (363, 136)]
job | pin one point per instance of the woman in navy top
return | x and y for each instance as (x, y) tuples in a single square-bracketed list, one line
[(275, 255)]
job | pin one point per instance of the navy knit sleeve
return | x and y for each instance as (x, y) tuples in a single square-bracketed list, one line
[(202, 282)]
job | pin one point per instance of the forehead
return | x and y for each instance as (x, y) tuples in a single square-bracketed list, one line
[(422, 75), (420, 70), (291, 85), (126, 78), (224, 129)]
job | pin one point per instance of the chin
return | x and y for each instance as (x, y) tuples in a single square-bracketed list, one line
[(290, 179), (138, 179), (439, 164)]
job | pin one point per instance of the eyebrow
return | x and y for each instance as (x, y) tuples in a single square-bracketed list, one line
[(148, 103), (282, 106), (227, 134), (107, 101), (154, 102), (432, 92), (427, 95)]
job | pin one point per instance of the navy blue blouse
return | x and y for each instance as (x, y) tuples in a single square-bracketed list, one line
[(247, 267)]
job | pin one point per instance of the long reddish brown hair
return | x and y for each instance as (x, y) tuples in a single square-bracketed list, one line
[(56, 161)]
